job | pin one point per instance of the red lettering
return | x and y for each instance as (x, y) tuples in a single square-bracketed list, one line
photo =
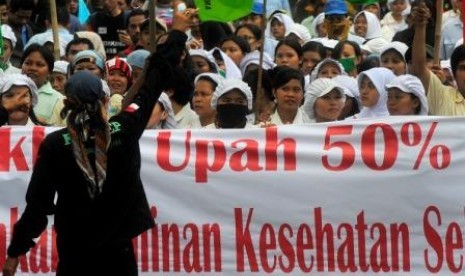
[(267, 242), (346, 251), (38, 255), (16, 154), (191, 249), (171, 231), (211, 232), (164, 149), (271, 151), (433, 238), (400, 231), (286, 248), (250, 151), (202, 166), (379, 248), (304, 242), (454, 240), (38, 135), (320, 233), (244, 242), (361, 228)]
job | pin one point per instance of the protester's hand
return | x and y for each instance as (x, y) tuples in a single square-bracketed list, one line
[(125, 38), (420, 14), (195, 44), (182, 19), (439, 73), (17, 101), (9, 269)]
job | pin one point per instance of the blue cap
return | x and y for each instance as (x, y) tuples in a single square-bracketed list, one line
[(137, 58), (257, 7), (336, 7)]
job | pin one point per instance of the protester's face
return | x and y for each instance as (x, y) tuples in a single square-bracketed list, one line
[(368, 93), (233, 97), (460, 76), (348, 51), (7, 50), (110, 5), (144, 39), (278, 30), (134, 26), (394, 62), (289, 96), (398, 6), (36, 67), (18, 94), (117, 81), (122, 5), (89, 66), (4, 13), (329, 107), (202, 98), (20, 17), (73, 6), (401, 103), (361, 25), (310, 59), (233, 50), (373, 8), (74, 49), (286, 55), (200, 64), (348, 109), (58, 81), (321, 29), (247, 34), (329, 70), (253, 19)]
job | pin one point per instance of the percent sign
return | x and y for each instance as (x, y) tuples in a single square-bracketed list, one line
[(411, 136), (416, 139)]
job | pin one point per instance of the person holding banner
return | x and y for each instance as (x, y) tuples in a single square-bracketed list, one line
[(443, 100), (93, 168)]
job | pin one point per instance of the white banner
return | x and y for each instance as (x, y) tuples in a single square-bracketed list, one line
[(350, 197)]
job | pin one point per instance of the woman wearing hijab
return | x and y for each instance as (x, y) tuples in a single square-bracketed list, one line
[(162, 115), (324, 100), (394, 20), (373, 94), (18, 96), (367, 25), (393, 57), (232, 101), (406, 96), (88, 174), (327, 68), (352, 102), (205, 86)]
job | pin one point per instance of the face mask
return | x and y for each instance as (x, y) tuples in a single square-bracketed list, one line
[(348, 64), (231, 115)]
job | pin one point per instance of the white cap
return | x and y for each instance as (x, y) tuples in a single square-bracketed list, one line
[(61, 67), (397, 46), (413, 85), (316, 70), (170, 121), (316, 89), (8, 33), (211, 76), (254, 58), (229, 84), (20, 80), (301, 31)]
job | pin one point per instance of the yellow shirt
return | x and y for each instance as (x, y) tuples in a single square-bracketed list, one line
[(444, 100)]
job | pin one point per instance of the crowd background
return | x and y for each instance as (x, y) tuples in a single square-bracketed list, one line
[(322, 61)]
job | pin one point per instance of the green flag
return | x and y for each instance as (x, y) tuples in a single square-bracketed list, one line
[(223, 10)]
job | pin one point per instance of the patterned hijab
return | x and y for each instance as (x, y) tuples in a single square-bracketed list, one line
[(88, 127)]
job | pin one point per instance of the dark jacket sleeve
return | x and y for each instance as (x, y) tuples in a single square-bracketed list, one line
[(40, 203), (135, 116), (3, 116)]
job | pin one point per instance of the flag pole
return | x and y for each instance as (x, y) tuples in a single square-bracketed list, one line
[(152, 25), (56, 38), (437, 33), (262, 48)]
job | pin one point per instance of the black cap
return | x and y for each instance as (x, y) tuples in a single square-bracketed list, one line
[(429, 53), (85, 86)]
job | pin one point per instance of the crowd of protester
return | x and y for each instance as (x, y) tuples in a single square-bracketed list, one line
[(322, 61)]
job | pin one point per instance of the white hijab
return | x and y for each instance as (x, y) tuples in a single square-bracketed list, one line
[(373, 25), (283, 18), (380, 77)]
